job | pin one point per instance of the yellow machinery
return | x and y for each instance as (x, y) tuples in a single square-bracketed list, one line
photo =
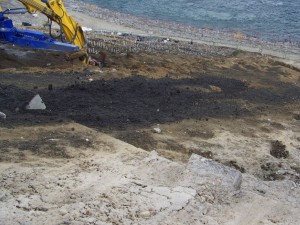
[(55, 11), (71, 32)]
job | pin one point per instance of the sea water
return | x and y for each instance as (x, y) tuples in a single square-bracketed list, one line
[(274, 20)]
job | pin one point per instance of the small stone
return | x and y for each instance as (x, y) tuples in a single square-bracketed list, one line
[(63, 212), (3, 198), (43, 209), (260, 190), (157, 130), (72, 196), (237, 181), (145, 214)]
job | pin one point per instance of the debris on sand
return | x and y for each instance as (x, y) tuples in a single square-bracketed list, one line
[(278, 150), (36, 103)]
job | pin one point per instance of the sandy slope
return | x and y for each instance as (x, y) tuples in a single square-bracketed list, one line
[(231, 109), (107, 181)]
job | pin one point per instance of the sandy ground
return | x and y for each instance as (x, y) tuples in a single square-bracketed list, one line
[(149, 139)]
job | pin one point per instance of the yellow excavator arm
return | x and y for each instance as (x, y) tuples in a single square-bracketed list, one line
[(55, 11)]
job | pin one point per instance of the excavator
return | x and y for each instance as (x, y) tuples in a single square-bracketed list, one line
[(71, 36)]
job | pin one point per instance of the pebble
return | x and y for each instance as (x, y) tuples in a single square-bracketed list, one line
[(63, 212), (145, 214), (3, 198), (157, 130)]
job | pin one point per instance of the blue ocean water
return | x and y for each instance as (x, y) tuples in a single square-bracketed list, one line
[(276, 20)]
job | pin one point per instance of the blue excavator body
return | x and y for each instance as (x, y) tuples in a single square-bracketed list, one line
[(30, 38)]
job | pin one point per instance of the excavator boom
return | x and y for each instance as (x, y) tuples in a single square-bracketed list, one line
[(55, 11), (71, 33)]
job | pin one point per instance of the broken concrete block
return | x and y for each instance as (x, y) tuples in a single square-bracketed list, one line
[(208, 168), (36, 103)]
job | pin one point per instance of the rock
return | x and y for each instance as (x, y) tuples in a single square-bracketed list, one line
[(237, 183), (43, 209), (3, 198), (2, 115), (36, 103), (157, 130), (145, 214), (63, 211), (203, 167)]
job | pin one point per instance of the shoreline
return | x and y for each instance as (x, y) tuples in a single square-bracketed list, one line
[(104, 20), (111, 21)]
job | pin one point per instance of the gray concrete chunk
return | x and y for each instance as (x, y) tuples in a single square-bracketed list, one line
[(208, 168), (36, 103)]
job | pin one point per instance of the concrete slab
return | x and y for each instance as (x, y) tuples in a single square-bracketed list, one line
[(36, 103)]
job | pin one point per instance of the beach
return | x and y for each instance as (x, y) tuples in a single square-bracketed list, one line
[(119, 22), (110, 22)]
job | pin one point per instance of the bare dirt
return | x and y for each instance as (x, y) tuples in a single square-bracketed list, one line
[(240, 110)]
